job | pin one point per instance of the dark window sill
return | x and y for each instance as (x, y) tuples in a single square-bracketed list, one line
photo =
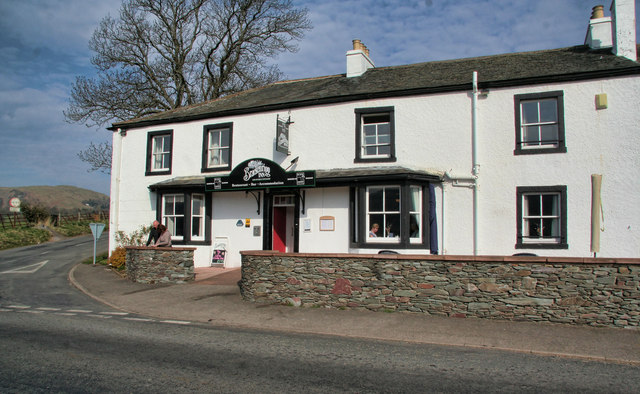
[(541, 246), (375, 160), (152, 173), (562, 149)]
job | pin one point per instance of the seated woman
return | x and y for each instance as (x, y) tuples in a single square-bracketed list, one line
[(165, 236)]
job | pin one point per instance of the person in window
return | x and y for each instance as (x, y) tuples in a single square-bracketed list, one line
[(165, 236), (374, 230), (153, 234), (387, 231), (415, 230)]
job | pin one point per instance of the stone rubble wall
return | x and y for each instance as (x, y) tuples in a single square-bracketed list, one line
[(160, 265), (582, 291)]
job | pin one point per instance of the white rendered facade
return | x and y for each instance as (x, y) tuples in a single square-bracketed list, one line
[(432, 135)]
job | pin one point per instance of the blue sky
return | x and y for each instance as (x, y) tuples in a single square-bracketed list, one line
[(43, 47)]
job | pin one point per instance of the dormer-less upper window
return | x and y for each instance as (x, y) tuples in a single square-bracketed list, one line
[(539, 123), (217, 147), (375, 135), (159, 152)]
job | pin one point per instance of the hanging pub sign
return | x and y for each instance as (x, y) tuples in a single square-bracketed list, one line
[(282, 135), (260, 174)]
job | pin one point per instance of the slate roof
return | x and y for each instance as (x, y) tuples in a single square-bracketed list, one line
[(512, 69)]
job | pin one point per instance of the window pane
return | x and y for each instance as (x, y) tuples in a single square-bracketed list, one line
[(549, 133), (214, 139), (547, 227), (375, 199), (531, 134), (392, 225), (549, 205), (196, 206), (384, 139), (384, 129), (414, 227), (369, 130), (179, 228), (530, 112), (392, 199), (376, 219), (225, 156), (195, 226), (380, 118), (168, 205), (548, 111), (179, 205), (370, 140), (533, 205), (225, 134), (414, 199)]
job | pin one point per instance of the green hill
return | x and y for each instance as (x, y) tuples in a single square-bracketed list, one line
[(58, 199)]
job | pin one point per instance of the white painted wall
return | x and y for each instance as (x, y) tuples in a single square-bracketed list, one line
[(432, 132)]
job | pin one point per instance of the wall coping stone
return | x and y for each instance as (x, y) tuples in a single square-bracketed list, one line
[(177, 249), (450, 257)]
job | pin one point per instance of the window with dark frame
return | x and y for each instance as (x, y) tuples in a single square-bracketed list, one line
[(159, 152), (375, 135), (539, 123), (186, 216), (217, 144), (542, 217), (390, 215)]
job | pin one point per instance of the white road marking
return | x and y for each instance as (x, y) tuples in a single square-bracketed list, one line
[(78, 311), (48, 309), (25, 269), (44, 252), (136, 319), (175, 322), (115, 313), (29, 311), (100, 316), (18, 306), (65, 314)]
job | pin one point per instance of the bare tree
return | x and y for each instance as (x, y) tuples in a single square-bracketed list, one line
[(164, 54)]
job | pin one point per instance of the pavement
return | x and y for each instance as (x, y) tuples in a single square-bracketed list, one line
[(214, 299)]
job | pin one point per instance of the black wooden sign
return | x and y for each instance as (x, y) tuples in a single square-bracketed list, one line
[(260, 174)]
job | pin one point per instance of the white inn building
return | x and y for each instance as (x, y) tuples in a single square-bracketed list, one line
[(532, 152)]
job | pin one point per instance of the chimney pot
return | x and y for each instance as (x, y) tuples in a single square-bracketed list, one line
[(597, 12)]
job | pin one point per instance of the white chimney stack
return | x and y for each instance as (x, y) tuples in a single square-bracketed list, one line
[(599, 31), (358, 61), (623, 15)]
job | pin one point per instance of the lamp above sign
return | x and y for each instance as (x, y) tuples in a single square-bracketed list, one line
[(260, 174)]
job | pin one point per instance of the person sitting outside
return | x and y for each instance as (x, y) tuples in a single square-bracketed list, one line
[(153, 234), (165, 237)]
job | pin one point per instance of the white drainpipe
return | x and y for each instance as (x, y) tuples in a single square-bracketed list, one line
[(116, 170), (474, 154)]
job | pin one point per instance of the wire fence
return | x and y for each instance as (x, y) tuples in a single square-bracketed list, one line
[(18, 220)]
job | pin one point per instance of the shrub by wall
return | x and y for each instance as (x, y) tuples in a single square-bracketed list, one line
[(597, 292)]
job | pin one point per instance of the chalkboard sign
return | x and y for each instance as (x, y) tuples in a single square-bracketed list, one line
[(218, 256), (220, 245)]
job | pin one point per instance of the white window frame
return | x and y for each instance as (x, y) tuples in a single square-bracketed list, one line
[(216, 136), (161, 153), (166, 217), (418, 212), (378, 136), (555, 218), (200, 215), (381, 236), (524, 146)]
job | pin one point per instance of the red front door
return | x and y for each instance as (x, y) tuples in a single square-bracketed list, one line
[(280, 229)]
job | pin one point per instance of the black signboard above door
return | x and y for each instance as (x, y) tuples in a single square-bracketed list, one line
[(260, 174)]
